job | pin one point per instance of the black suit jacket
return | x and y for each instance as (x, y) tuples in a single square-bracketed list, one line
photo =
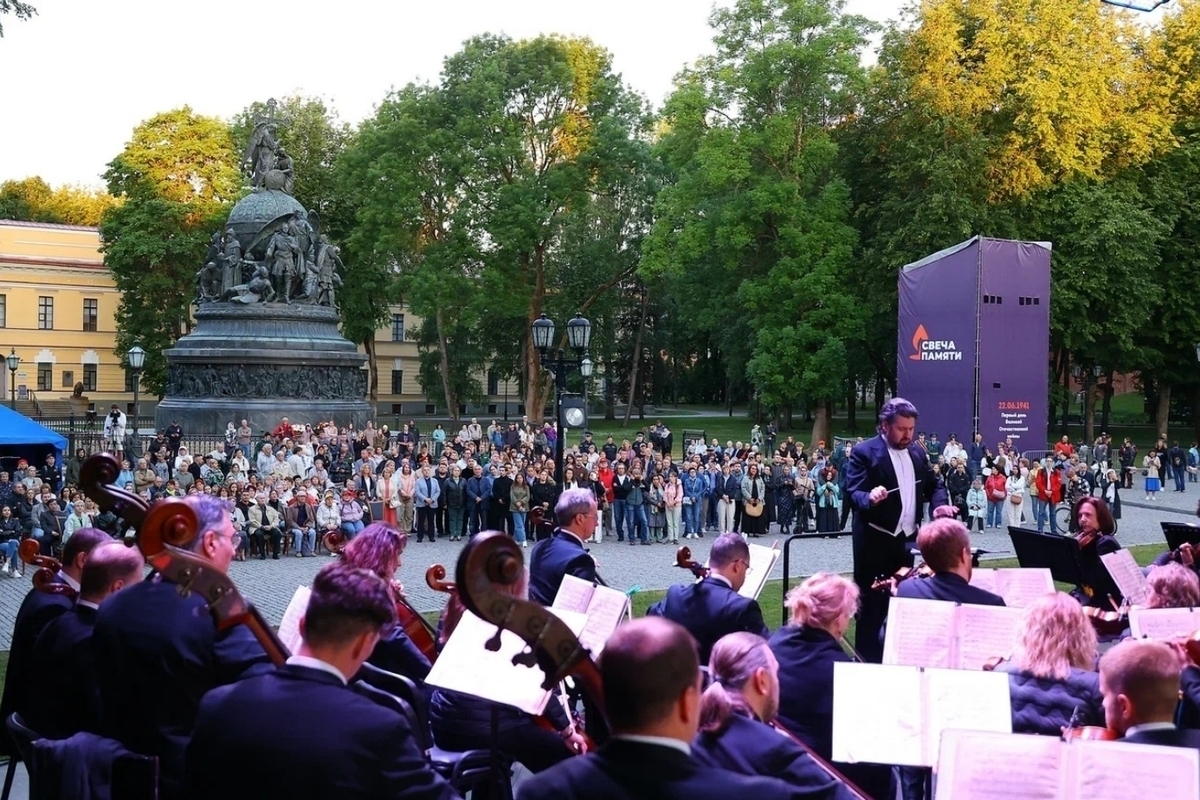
[(709, 609), (623, 770), (748, 747), (551, 559), (297, 733), (1173, 737), (870, 466), (947, 586), (65, 663), (37, 610), (157, 654)]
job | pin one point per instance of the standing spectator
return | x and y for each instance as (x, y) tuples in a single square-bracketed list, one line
[(673, 497), (1177, 459), (1152, 469), (114, 431), (977, 505)]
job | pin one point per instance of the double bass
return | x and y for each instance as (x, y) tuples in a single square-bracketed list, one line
[(47, 568)]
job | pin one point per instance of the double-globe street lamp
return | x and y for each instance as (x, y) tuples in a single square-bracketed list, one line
[(136, 358), (14, 361), (579, 335)]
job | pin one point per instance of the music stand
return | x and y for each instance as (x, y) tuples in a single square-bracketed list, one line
[(1179, 533), (1059, 554)]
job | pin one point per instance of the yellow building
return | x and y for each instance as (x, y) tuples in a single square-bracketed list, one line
[(58, 308)]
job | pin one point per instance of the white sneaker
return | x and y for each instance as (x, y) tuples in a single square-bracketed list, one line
[(5, 569)]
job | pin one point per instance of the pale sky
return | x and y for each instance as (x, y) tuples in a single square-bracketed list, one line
[(82, 74)]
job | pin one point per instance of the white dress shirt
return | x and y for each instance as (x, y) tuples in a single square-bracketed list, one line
[(907, 481)]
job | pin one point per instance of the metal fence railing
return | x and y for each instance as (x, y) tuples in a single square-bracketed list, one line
[(87, 434)]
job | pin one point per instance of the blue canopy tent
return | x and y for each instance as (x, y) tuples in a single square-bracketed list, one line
[(22, 438)]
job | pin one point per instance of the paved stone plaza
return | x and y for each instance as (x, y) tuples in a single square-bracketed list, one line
[(269, 584)]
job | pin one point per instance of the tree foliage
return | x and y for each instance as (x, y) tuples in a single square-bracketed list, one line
[(32, 200), (175, 180), (16, 8)]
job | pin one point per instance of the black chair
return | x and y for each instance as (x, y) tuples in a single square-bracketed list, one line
[(23, 738), (466, 771), (134, 776)]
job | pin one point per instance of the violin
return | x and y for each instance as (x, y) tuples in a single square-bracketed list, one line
[(1074, 732), (162, 530), (47, 569), (1087, 538), (683, 558), (492, 559), (1107, 623), (889, 584)]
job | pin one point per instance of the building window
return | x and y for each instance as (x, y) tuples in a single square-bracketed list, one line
[(3, 310), (397, 327), (89, 377), (45, 314), (397, 381), (130, 380), (68, 379), (493, 381), (45, 376), (91, 312)]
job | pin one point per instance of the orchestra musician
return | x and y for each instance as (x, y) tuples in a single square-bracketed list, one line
[(158, 652), (1172, 586), (380, 549), (37, 610), (945, 545), (735, 715), (806, 650), (888, 480), (464, 722), (712, 607), (650, 671), (564, 553), (1051, 672), (63, 658), (299, 731), (1095, 527), (1139, 679)]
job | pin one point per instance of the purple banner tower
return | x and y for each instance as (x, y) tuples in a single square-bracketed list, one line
[(974, 338)]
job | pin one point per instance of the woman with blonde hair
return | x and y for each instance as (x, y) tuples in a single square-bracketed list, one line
[(806, 649), (735, 715), (1051, 673)]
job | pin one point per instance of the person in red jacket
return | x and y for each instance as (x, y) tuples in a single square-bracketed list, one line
[(1049, 494)]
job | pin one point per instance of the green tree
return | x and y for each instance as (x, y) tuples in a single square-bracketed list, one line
[(175, 179), (18, 9), (32, 200)]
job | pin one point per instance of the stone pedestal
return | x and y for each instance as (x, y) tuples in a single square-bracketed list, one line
[(262, 362)]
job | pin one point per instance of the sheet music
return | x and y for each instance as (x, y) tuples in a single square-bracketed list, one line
[(1018, 587), (920, 633), (1107, 769), (605, 611), (1127, 575), (984, 632), (574, 594), (762, 562), (995, 766), (877, 714), (1161, 623), (962, 700), (466, 666), (289, 626)]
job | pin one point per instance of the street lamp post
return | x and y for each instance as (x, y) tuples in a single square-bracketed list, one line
[(579, 335), (14, 361), (136, 357)]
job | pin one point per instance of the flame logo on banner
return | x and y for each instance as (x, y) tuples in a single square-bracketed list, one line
[(918, 337)]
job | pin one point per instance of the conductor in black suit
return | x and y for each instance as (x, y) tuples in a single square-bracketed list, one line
[(945, 546), (712, 607), (299, 732), (651, 676), (888, 479), (1139, 679), (564, 553), (63, 658), (158, 652), (38, 609)]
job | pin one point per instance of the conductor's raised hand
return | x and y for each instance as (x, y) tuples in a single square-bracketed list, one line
[(877, 495)]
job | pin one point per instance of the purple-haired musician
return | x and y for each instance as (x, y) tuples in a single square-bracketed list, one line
[(888, 480)]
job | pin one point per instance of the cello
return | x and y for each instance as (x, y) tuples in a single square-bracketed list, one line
[(683, 558), (162, 530), (47, 568)]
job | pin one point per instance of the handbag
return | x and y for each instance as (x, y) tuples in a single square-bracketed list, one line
[(753, 508), (1015, 499)]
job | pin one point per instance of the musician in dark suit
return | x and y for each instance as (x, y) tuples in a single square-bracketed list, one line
[(888, 479), (564, 553), (735, 715), (945, 546), (158, 652), (38, 609), (651, 675), (63, 658), (298, 731), (1139, 679), (712, 607)]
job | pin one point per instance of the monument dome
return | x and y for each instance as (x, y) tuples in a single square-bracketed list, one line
[(254, 212)]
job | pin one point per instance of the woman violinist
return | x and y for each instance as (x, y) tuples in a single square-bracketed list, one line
[(1096, 538)]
